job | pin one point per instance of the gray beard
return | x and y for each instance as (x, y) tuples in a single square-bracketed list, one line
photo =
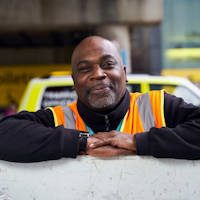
[(103, 102)]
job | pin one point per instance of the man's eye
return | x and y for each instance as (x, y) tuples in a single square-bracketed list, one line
[(108, 64), (84, 69)]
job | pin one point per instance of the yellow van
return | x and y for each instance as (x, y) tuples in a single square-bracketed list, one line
[(58, 90)]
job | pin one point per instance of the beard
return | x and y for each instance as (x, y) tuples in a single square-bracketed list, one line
[(101, 102)]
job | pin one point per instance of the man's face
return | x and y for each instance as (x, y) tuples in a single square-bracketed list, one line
[(98, 74)]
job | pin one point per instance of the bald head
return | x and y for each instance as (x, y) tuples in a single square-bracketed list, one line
[(93, 44), (98, 73)]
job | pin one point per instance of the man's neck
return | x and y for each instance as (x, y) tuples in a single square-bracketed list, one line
[(104, 120)]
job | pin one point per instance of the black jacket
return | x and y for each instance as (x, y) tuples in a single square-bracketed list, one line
[(32, 136)]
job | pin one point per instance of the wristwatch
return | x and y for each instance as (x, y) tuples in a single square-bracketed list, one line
[(83, 136)]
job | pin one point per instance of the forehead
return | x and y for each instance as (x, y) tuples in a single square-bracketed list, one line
[(94, 50)]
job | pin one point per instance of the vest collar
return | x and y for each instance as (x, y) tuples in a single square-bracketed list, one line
[(104, 122)]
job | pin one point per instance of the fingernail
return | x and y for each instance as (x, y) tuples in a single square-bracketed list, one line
[(91, 145)]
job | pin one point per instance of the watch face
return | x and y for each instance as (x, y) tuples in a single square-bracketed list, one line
[(83, 141), (84, 134)]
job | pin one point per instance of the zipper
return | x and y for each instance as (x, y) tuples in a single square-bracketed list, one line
[(107, 123)]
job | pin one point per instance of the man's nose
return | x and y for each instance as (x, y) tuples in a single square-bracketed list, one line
[(98, 72)]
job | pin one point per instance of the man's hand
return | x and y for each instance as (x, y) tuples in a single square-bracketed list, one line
[(107, 151), (111, 143)]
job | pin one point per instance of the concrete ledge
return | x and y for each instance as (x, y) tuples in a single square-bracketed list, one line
[(87, 178)]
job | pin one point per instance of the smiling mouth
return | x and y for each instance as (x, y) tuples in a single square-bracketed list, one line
[(101, 89)]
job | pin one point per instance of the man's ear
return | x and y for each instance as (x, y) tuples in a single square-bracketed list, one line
[(124, 66), (73, 81), (72, 77)]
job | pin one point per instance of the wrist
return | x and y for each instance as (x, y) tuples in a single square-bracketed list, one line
[(134, 142), (82, 143)]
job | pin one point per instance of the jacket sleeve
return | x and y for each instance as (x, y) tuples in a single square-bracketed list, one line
[(32, 137), (181, 136)]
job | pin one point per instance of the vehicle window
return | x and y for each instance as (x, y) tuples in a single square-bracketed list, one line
[(61, 95), (179, 91), (168, 88), (187, 95), (134, 87)]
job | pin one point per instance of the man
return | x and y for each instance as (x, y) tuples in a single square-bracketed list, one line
[(118, 122)]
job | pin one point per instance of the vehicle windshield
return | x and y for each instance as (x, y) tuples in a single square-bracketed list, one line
[(187, 95), (180, 91)]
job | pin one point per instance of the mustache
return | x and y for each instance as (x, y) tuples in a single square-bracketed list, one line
[(99, 86)]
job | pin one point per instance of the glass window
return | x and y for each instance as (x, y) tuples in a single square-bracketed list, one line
[(134, 87), (168, 88), (61, 95), (181, 34), (187, 95), (179, 91)]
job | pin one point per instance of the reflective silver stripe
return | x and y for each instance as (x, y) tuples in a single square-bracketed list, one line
[(70, 121), (145, 111)]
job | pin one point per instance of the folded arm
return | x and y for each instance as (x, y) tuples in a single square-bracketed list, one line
[(31, 137), (179, 139)]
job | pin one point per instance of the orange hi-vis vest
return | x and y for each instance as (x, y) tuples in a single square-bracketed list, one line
[(145, 111)]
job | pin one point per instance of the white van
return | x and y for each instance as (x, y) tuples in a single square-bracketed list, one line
[(58, 90)]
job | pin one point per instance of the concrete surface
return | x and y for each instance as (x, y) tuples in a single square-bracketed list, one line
[(87, 178)]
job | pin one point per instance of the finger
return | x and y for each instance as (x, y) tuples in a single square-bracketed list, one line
[(105, 135), (101, 135), (124, 141), (119, 151), (113, 153), (108, 151), (97, 143)]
